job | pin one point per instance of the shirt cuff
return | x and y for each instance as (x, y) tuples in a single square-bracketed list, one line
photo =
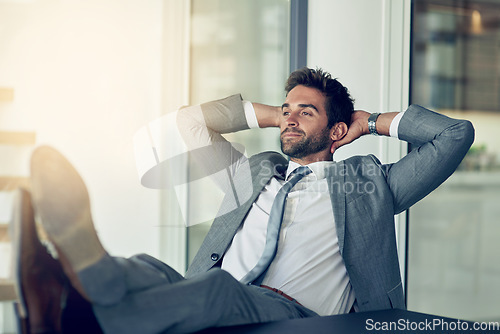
[(250, 115), (393, 129)]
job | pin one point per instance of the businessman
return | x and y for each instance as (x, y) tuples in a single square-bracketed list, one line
[(296, 237)]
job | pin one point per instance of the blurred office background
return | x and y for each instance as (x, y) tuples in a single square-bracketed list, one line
[(84, 76), (453, 251)]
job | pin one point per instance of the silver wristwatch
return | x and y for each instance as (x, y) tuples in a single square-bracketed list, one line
[(371, 123)]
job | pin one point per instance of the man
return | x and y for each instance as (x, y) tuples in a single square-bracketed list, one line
[(333, 250)]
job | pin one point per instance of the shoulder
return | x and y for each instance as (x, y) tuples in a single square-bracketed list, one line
[(268, 159), (364, 165), (362, 159), (367, 160)]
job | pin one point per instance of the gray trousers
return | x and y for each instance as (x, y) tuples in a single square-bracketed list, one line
[(143, 295)]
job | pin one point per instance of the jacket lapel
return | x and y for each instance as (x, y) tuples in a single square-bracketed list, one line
[(336, 184), (261, 171)]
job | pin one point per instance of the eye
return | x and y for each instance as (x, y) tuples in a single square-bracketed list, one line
[(286, 113), (305, 113)]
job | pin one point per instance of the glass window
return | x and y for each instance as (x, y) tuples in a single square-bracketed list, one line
[(237, 47), (453, 260)]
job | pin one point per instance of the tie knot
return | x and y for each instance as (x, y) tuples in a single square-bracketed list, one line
[(296, 176), (302, 170)]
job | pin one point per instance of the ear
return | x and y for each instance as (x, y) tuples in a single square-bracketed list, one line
[(338, 131)]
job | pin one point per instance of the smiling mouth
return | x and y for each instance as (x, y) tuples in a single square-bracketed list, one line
[(291, 133)]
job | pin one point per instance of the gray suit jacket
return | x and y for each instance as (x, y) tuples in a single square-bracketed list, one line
[(365, 196)]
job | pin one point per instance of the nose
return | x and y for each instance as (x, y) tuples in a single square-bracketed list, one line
[(291, 120)]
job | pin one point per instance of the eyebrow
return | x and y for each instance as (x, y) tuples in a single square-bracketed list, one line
[(302, 105)]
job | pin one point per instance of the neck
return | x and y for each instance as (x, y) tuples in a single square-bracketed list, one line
[(320, 156)]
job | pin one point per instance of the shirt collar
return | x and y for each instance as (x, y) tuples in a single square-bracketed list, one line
[(318, 168)]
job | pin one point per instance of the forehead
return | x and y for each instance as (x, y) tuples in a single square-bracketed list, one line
[(306, 95)]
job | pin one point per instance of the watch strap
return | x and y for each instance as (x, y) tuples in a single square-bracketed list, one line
[(372, 120)]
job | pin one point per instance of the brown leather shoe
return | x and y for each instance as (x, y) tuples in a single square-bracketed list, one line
[(40, 281), (61, 201)]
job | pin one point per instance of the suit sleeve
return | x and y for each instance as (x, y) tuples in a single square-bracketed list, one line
[(439, 144), (201, 128)]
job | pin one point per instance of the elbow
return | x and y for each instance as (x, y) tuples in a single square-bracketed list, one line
[(463, 137), (468, 133)]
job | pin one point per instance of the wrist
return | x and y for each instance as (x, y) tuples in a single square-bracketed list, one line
[(267, 116), (277, 113), (383, 123)]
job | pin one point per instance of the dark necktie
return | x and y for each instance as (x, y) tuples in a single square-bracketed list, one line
[(274, 226)]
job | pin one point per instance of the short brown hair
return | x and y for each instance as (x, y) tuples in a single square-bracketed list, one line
[(339, 104)]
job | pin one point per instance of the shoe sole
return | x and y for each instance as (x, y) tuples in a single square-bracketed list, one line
[(22, 203), (31, 260), (62, 204)]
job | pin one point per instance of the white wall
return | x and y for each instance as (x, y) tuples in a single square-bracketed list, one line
[(354, 40), (86, 75)]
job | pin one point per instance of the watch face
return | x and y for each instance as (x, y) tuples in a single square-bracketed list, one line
[(371, 123), (371, 127)]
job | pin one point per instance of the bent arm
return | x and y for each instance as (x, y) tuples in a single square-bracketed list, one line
[(439, 144), (201, 128)]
